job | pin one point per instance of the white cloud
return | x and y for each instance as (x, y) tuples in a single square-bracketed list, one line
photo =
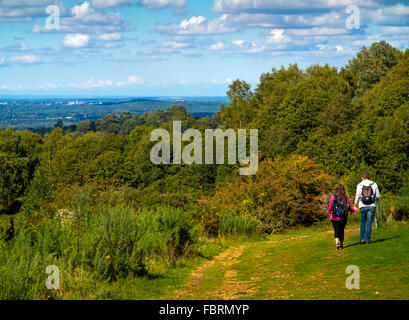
[(198, 25), (46, 86), (192, 21), (16, 48), (239, 43), (175, 44), (161, 4), (23, 47), (387, 15), (317, 31), (178, 44), (77, 40), (22, 11), (110, 3), (227, 81), (230, 23), (24, 3), (11, 87), (85, 19), (100, 83), (276, 36), (248, 46), (25, 59), (91, 83), (157, 57), (332, 50), (132, 80), (82, 11), (280, 5), (135, 80), (217, 46), (115, 36)]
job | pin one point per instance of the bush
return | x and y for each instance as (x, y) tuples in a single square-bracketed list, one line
[(397, 206), (22, 270), (239, 224), (109, 244), (104, 244), (284, 193), (168, 232)]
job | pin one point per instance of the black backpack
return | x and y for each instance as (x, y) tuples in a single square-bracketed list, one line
[(368, 196), (340, 208)]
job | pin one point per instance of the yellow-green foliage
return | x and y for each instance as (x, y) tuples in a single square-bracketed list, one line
[(283, 193)]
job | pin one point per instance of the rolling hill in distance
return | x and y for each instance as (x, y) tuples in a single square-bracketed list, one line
[(27, 112)]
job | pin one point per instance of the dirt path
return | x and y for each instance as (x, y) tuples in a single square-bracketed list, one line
[(227, 258), (260, 269)]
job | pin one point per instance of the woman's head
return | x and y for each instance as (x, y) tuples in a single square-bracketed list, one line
[(340, 192)]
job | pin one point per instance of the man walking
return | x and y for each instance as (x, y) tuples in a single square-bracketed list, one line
[(367, 193)]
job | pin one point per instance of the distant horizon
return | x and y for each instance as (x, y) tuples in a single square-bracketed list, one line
[(43, 112), (56, 96)]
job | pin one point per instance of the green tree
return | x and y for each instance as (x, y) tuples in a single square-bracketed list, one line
[(241, 109), (370, 65)]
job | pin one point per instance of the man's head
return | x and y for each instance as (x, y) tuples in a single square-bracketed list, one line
[(365, 176)]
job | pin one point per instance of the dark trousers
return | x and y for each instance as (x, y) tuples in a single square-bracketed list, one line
[(339, 227)]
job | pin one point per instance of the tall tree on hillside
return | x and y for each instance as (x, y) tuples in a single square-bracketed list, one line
[(370, 65), (241, 110)]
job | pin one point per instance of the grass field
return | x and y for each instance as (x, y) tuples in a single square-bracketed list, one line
[(305, 265)]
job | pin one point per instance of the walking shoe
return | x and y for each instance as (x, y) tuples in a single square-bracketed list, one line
[(368, 242), (338, 246), (362, 242), (341, 246)]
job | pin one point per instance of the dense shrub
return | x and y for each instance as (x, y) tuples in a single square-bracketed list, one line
[(284, 193), (167, 232), (106, 244), (109, 244), (239, 224), (22, 270)]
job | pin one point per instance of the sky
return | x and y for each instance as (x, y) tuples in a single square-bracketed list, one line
[(180, 47)]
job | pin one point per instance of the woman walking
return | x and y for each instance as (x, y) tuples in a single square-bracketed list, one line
[(338, 209)]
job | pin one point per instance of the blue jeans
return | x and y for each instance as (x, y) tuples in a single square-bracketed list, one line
[(367, 214)]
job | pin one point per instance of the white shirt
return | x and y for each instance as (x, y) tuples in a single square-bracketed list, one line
[(359, 193)]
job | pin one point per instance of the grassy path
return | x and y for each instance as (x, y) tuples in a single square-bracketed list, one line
[(305, 265)]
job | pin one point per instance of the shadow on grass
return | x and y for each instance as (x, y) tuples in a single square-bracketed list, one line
[(150, 276), (372, 242)]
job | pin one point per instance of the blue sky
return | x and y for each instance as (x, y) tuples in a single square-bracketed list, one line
[(180, 47)]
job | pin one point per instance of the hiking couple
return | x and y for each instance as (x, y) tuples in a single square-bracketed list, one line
[(367, 193)]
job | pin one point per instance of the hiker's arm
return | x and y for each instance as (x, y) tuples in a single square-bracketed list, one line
[(350, 207), (377, 193)]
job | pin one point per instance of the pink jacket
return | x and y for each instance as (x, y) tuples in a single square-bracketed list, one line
[(330, 206)]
